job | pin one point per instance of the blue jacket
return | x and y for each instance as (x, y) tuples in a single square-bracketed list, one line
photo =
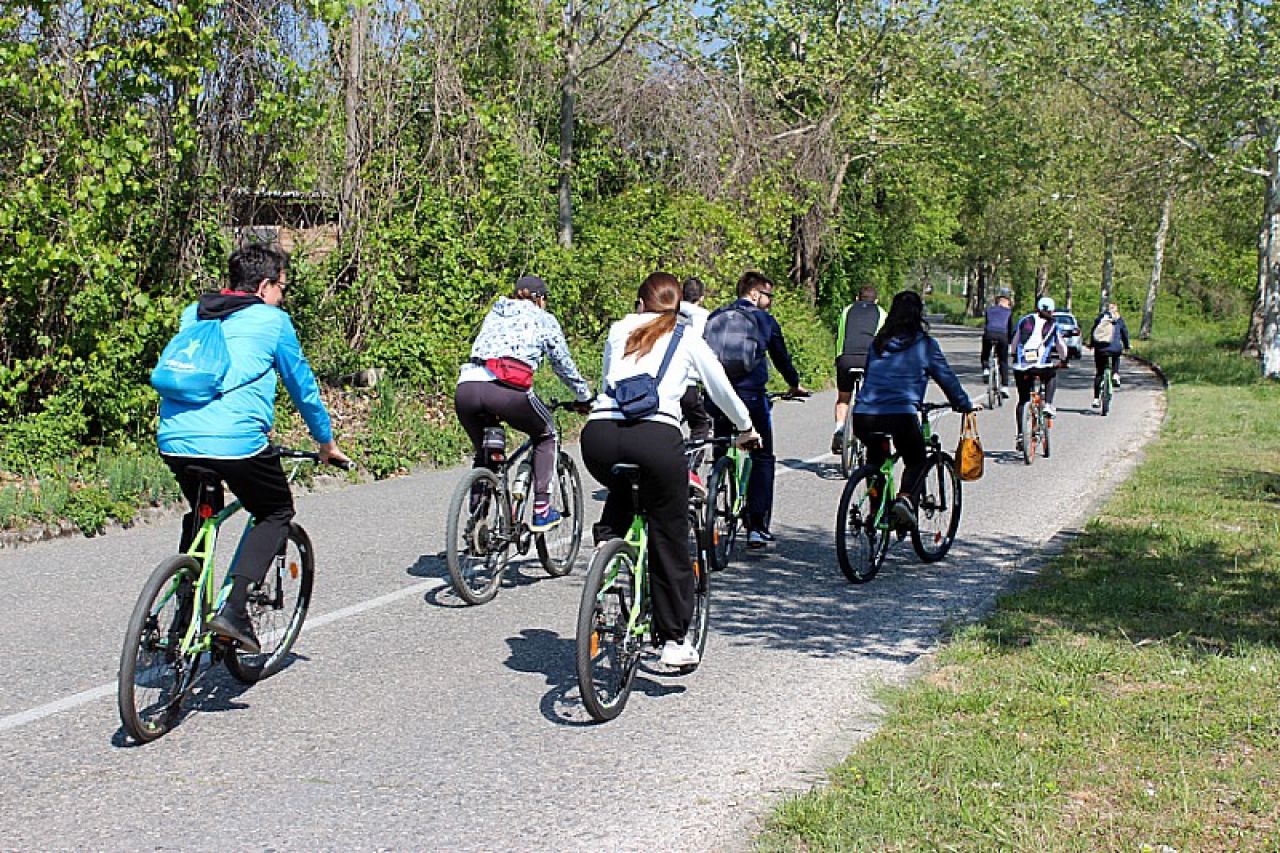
[(260, 339), (896, 379), (999, 323), (753, 384), (1119, 337)]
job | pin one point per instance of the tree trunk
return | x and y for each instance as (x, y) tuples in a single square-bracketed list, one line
[(1157, 264), (1068, 284), (1042, 272), (352, 83), (1108, 271), (1269, 260), (568, 103), (976, 284)]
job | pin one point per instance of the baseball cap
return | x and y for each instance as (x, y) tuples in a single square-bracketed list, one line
[(533, 284), (1045, 304)]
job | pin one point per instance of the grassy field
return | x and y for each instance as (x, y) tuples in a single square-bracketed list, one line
[(1130, 699)]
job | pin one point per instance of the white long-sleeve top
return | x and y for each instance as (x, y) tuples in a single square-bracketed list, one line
[(692, 360)]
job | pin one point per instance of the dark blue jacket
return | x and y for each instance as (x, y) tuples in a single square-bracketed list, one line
[(1119, 337), (999, 323), (897, 378), (753, 384)]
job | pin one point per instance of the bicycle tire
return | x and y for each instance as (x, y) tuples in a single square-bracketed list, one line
[(937, 509), (722, 523), (701, 589), (606, 656), (848, 445), (558, 548), (163, 668), (1027, 423), (277, 607), (860, 545), (1106, 393), (476, 551), (1045, 429)]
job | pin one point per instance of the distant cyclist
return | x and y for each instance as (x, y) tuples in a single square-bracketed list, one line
[(1109, 337), (859, 323), (902, 360), (1037, 348), (230, 434), (997, 331), (637, 344), (496, 384)]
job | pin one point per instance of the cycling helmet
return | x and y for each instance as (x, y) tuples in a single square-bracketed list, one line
[(1045, 304)]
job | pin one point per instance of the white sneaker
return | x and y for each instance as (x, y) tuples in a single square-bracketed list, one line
[(1050, 411), (755, 539), (1115, 380), (1004, 392), (679, 654), (986, 372), (1096, 404)]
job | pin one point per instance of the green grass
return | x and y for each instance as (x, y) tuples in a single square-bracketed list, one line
[(1128, 699)]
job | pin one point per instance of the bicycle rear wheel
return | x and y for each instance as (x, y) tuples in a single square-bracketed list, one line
[(1106, 393), (154, 674), (701, 588), (722, 522), (558, 547), (277, 608), (860, 544), (849, 446), (1028, 431), (606, 653), (476, 551), (937, 509)]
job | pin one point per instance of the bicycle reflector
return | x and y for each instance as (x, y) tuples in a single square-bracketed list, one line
[(206, 511), (293, 569)]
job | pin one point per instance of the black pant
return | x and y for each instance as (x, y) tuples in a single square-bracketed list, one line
[(695, 413), (1000, 347), (763, 461), (486, 404), (260, 484), (1024, 380), (664, 493), (1100, 358), (907, 439)]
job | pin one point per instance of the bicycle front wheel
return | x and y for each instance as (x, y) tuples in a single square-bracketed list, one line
[(154, 674), (860, 543), (606, 653), (701, 588), (558, 547), (722, 521), (937, 509), (476, 551), (277, 608)]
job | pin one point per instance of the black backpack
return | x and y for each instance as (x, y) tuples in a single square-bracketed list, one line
[(734, 337)]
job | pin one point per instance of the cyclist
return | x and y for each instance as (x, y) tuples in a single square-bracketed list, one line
[(997, 331), (496, 384), (858, 326), (636, 345), (229, 435), (902, 360), (1037, 349), (755, 297), (1109, 337), (691, 407)]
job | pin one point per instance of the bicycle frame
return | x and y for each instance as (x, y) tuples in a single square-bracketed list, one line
[(638, 538), (741, 476), (890, 488)]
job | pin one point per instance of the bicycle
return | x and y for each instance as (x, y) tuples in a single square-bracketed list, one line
[(168, 634), (727, 497), (615, 613), (995, 394), (1107, 390), (863, 520), (488, 517), (852, 454), (1035, 424)]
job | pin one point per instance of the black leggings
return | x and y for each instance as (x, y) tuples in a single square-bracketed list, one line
[(1023, 379), (1000, 347), (664, 492), (905, 431), (1100, 358)]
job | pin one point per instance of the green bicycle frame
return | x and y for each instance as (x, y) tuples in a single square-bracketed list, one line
[(741, 474), (638, 538), (890, 490)]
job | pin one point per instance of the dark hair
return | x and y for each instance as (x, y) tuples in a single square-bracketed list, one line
[(868, 293), (752, 280), (694, 289), (905, 320), (247, 267), (660, 292)]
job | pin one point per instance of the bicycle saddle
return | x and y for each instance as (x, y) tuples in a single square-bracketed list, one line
[(206, 476), (626, 471)]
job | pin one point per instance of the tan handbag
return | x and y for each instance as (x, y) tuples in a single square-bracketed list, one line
[(969, 456)]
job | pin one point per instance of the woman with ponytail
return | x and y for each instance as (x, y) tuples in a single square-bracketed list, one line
[(636, 345)]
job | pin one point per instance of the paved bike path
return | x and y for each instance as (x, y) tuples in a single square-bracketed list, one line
[(409, 721)]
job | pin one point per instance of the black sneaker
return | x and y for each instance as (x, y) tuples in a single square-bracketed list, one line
[(903, 513), (235, 627), (837, 442)]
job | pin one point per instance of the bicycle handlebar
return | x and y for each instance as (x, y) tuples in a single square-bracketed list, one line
[(788, 396), (290, 453)]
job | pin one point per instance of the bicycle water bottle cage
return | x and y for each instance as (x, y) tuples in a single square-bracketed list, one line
[(495, 444)]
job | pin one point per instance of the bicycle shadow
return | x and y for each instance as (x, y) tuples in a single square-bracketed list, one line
[(1004, 457), (217, 692), (542, 652), (823, 470), (520, 572)]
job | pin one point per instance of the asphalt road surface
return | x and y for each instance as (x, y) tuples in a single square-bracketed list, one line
[(407, 720)]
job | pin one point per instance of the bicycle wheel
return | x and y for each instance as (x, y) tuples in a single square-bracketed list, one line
[(1028, 431), (849, 446), (722, 522), (477, 548), (1106, 393), (277, 608), (937, 509), (606, 653), (860, 544), (154, 675), (558, 547), (993, 389), (701, 588), (1045, 429)]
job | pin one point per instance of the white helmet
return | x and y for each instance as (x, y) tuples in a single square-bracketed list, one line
[(1045, 304)]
